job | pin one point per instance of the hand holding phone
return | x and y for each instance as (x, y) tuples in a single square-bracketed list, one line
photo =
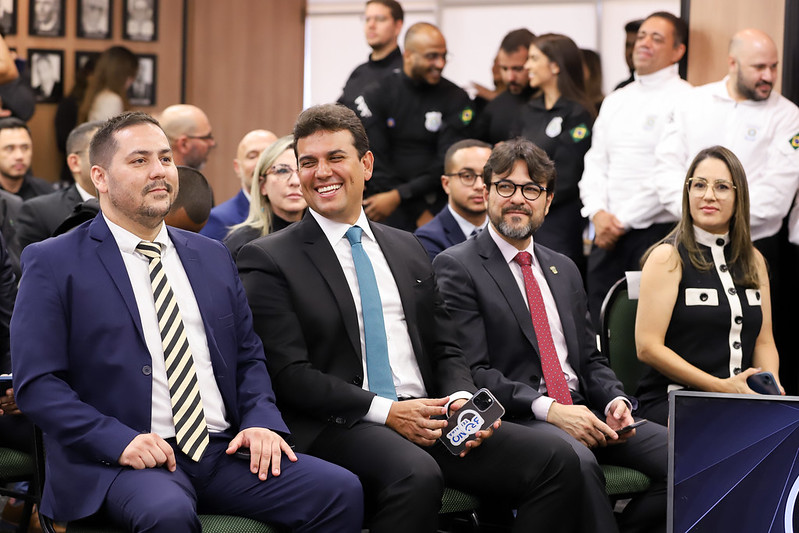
[(479, 413), (763, 383), (627, 429)]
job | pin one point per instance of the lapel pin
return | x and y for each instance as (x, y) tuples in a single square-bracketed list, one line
[(553, 269)]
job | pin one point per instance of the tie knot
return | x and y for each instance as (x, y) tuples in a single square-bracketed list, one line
[(150, 250), (524, 258), (354, 235)]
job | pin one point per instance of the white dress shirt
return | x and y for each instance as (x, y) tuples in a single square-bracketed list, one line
[(759, 133), (621, 162), (466, 227), (137, 266), (84, 194)]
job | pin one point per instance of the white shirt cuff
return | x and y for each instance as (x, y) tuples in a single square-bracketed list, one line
[(541, 407), (622, 398), (378, 411)]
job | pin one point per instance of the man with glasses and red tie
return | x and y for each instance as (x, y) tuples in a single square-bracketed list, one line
[(465, 212), (520, 311), (189, 133)]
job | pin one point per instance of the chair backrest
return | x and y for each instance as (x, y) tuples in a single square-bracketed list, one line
[(617, 335)]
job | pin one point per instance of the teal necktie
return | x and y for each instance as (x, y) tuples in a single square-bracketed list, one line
[(378, 368)]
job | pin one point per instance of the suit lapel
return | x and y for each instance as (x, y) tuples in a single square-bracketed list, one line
[(323, 257), (111, 258), (498, 269), (451, 228), (560, 288)]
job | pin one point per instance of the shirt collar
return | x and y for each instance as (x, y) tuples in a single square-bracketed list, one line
[(84, 194), (708, 239), (127, 241), (334, 231), (658, 77), (466, 227), (508, 251)]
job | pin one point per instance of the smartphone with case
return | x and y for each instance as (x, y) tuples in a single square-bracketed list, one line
[(5, 383), (479, 413), (763, 383)]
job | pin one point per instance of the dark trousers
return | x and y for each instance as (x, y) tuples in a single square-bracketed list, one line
[(534, 472), (647, 452), (606, 267), (309, 495)]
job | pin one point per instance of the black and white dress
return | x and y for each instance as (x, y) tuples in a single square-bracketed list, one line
[(714, 324)]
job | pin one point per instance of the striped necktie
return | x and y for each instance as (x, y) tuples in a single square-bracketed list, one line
[(191, 430)]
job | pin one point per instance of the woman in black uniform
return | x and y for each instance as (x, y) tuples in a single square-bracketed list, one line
[(704, 313), (558, 119)]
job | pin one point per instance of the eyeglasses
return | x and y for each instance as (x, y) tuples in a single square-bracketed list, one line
[(506, 189), (283, 172), (208, 137), (467, 176), (721, 188)]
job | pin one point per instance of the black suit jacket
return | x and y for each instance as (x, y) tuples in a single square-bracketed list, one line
[(440, 233), (496, 331), (40, 216), (304, 312)]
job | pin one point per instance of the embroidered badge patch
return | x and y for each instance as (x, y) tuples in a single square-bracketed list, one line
[(795, 141), (579, 133), (466, 116), (432, 121)]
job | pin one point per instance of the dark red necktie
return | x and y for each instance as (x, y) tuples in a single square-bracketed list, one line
[(557, 389)]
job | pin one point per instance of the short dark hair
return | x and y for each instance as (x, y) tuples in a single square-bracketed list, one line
[(521, 38), (505, 154), (633, 26), (332, 118), (396, 9), (194, 194), (461, 145), (103, 145), (80, 136), (13, 123), (679, 25)]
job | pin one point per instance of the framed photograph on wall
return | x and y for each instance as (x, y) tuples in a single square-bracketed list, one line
[(47, 74), (8, 17), (142, 91), (94, 19), (140, 20), (46, 18), (83, 58)]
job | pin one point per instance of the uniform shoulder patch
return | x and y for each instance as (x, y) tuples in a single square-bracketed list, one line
[(795, 141), (578, 133), (467, 115)]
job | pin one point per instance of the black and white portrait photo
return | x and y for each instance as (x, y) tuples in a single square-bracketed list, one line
[(46, 18), (94, 19), (142, 91), (8, 17), (83, 58), (140, 20), (47, 74)]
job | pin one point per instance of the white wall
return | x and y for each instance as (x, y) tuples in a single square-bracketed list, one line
[(335, 43)]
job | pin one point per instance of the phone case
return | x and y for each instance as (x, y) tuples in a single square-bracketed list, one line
[(763, 383), (475, 415)]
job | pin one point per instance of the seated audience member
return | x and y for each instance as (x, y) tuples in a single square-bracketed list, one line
[(141, 421), (465, 212), (190, 134), (235, 210), (559, 121), (276, 198), (193, 203), (16, 153), (704, 311), (520, 308), (40, 216), (328, 293), (107, 93)]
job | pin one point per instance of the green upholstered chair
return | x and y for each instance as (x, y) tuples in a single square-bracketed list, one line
[(617, 343), (18, 466)]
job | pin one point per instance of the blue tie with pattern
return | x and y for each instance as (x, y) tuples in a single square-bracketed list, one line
[(378, 368)]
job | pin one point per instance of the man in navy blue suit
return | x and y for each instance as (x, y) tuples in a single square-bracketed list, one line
[(94, 366), (465, 212)]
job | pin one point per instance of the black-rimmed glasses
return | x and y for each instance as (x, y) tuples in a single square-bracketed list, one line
[(466, 176), (506, 189)]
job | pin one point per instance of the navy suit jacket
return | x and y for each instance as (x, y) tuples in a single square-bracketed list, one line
[(226, 214), (440, 233), (82, 371), (496, 331), (302, 304)]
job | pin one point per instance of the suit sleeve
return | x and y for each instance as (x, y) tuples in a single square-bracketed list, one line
[(460, 294), (41, 365), (30, 228)]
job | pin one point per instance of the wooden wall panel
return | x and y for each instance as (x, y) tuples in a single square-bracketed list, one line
[(46, 159), (245, 70), (710, 33)]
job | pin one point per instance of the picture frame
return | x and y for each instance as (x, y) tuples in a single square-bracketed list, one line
[(46, 18), (143, 90), (95, 18), (47, 74), (8, 17), (140, 20), (82, 57)]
